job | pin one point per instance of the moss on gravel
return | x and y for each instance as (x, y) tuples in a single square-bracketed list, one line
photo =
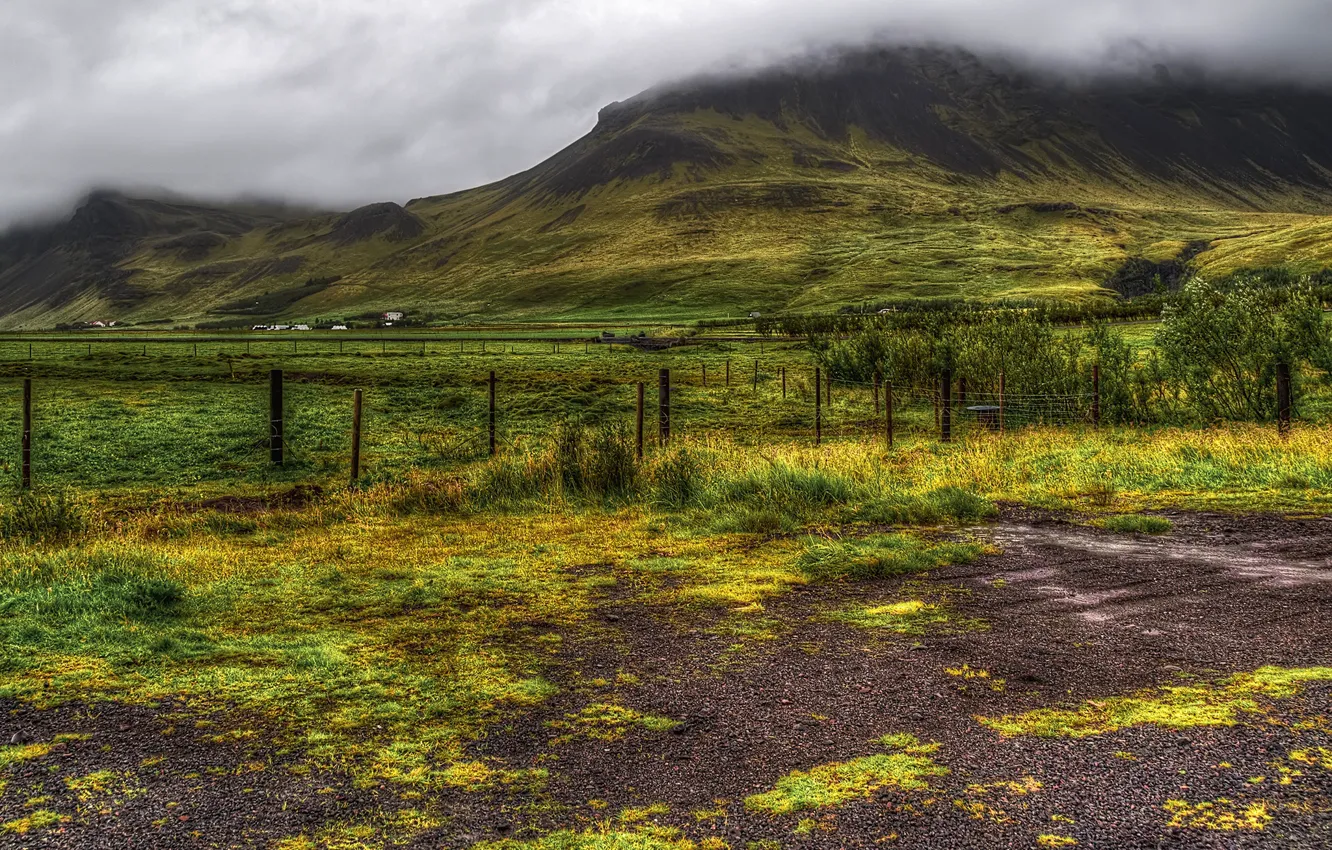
[(607, 838), (828, 785), (1220, 704), (1218, 816)]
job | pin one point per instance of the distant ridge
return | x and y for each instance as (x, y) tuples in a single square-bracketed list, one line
[(876, 174)]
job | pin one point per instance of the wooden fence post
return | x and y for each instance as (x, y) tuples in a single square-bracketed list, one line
[(1096, 395), (640, 420), (27, 434), (492, 413), (1283, 398), (783, 383), (276, 425), (356, 438), (946, 408), (818, 406), (705, 376), (664, 407), (756, 364), (888, 408)]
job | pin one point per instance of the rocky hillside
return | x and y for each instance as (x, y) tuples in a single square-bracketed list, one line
[(886, 173)]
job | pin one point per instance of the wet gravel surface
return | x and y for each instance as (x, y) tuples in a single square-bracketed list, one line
[(1066, 613)]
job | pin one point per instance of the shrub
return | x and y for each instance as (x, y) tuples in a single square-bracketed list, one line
[(1222, 344), (43, 517)]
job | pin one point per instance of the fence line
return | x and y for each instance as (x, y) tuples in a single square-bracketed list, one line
[(862, 410)]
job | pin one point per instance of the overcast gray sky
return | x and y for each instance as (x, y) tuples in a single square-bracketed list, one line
[(341, 102)]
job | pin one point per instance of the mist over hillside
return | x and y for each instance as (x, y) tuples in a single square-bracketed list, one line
[(861, 175)]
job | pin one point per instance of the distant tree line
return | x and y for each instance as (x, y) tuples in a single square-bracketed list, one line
[(1215, 353)]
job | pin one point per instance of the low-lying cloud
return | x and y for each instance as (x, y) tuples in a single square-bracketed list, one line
[(340, 102)]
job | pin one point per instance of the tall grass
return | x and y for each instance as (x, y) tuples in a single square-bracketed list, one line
[(43, 517)]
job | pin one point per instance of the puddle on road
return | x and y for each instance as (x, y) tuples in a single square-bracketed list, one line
[(1069, 548), (1254, 561)]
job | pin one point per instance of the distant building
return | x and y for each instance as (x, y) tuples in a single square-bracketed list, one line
[(301, 328), (394, 316), (754, 315), (339, 327)]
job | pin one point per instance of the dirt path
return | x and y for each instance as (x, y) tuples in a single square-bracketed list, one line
[(1065, 614)]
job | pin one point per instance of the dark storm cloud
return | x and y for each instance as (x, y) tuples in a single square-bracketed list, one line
[(344, 101)]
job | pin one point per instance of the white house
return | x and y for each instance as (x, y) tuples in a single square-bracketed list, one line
[(339, 327), (394, 316), (301, 328)]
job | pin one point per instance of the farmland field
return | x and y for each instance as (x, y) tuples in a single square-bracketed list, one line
[(1058, 636)]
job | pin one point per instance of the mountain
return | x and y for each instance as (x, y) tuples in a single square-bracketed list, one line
[(903, 172)]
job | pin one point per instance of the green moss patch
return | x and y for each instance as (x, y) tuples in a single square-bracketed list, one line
[(1221, 704), (908, 768)]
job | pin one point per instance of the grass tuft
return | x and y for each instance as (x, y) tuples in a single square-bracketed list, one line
[(881, 556)]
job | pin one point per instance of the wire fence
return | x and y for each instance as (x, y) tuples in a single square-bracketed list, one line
[(190, 432)]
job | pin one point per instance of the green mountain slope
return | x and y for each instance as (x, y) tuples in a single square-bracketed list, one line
[(891, 173)]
